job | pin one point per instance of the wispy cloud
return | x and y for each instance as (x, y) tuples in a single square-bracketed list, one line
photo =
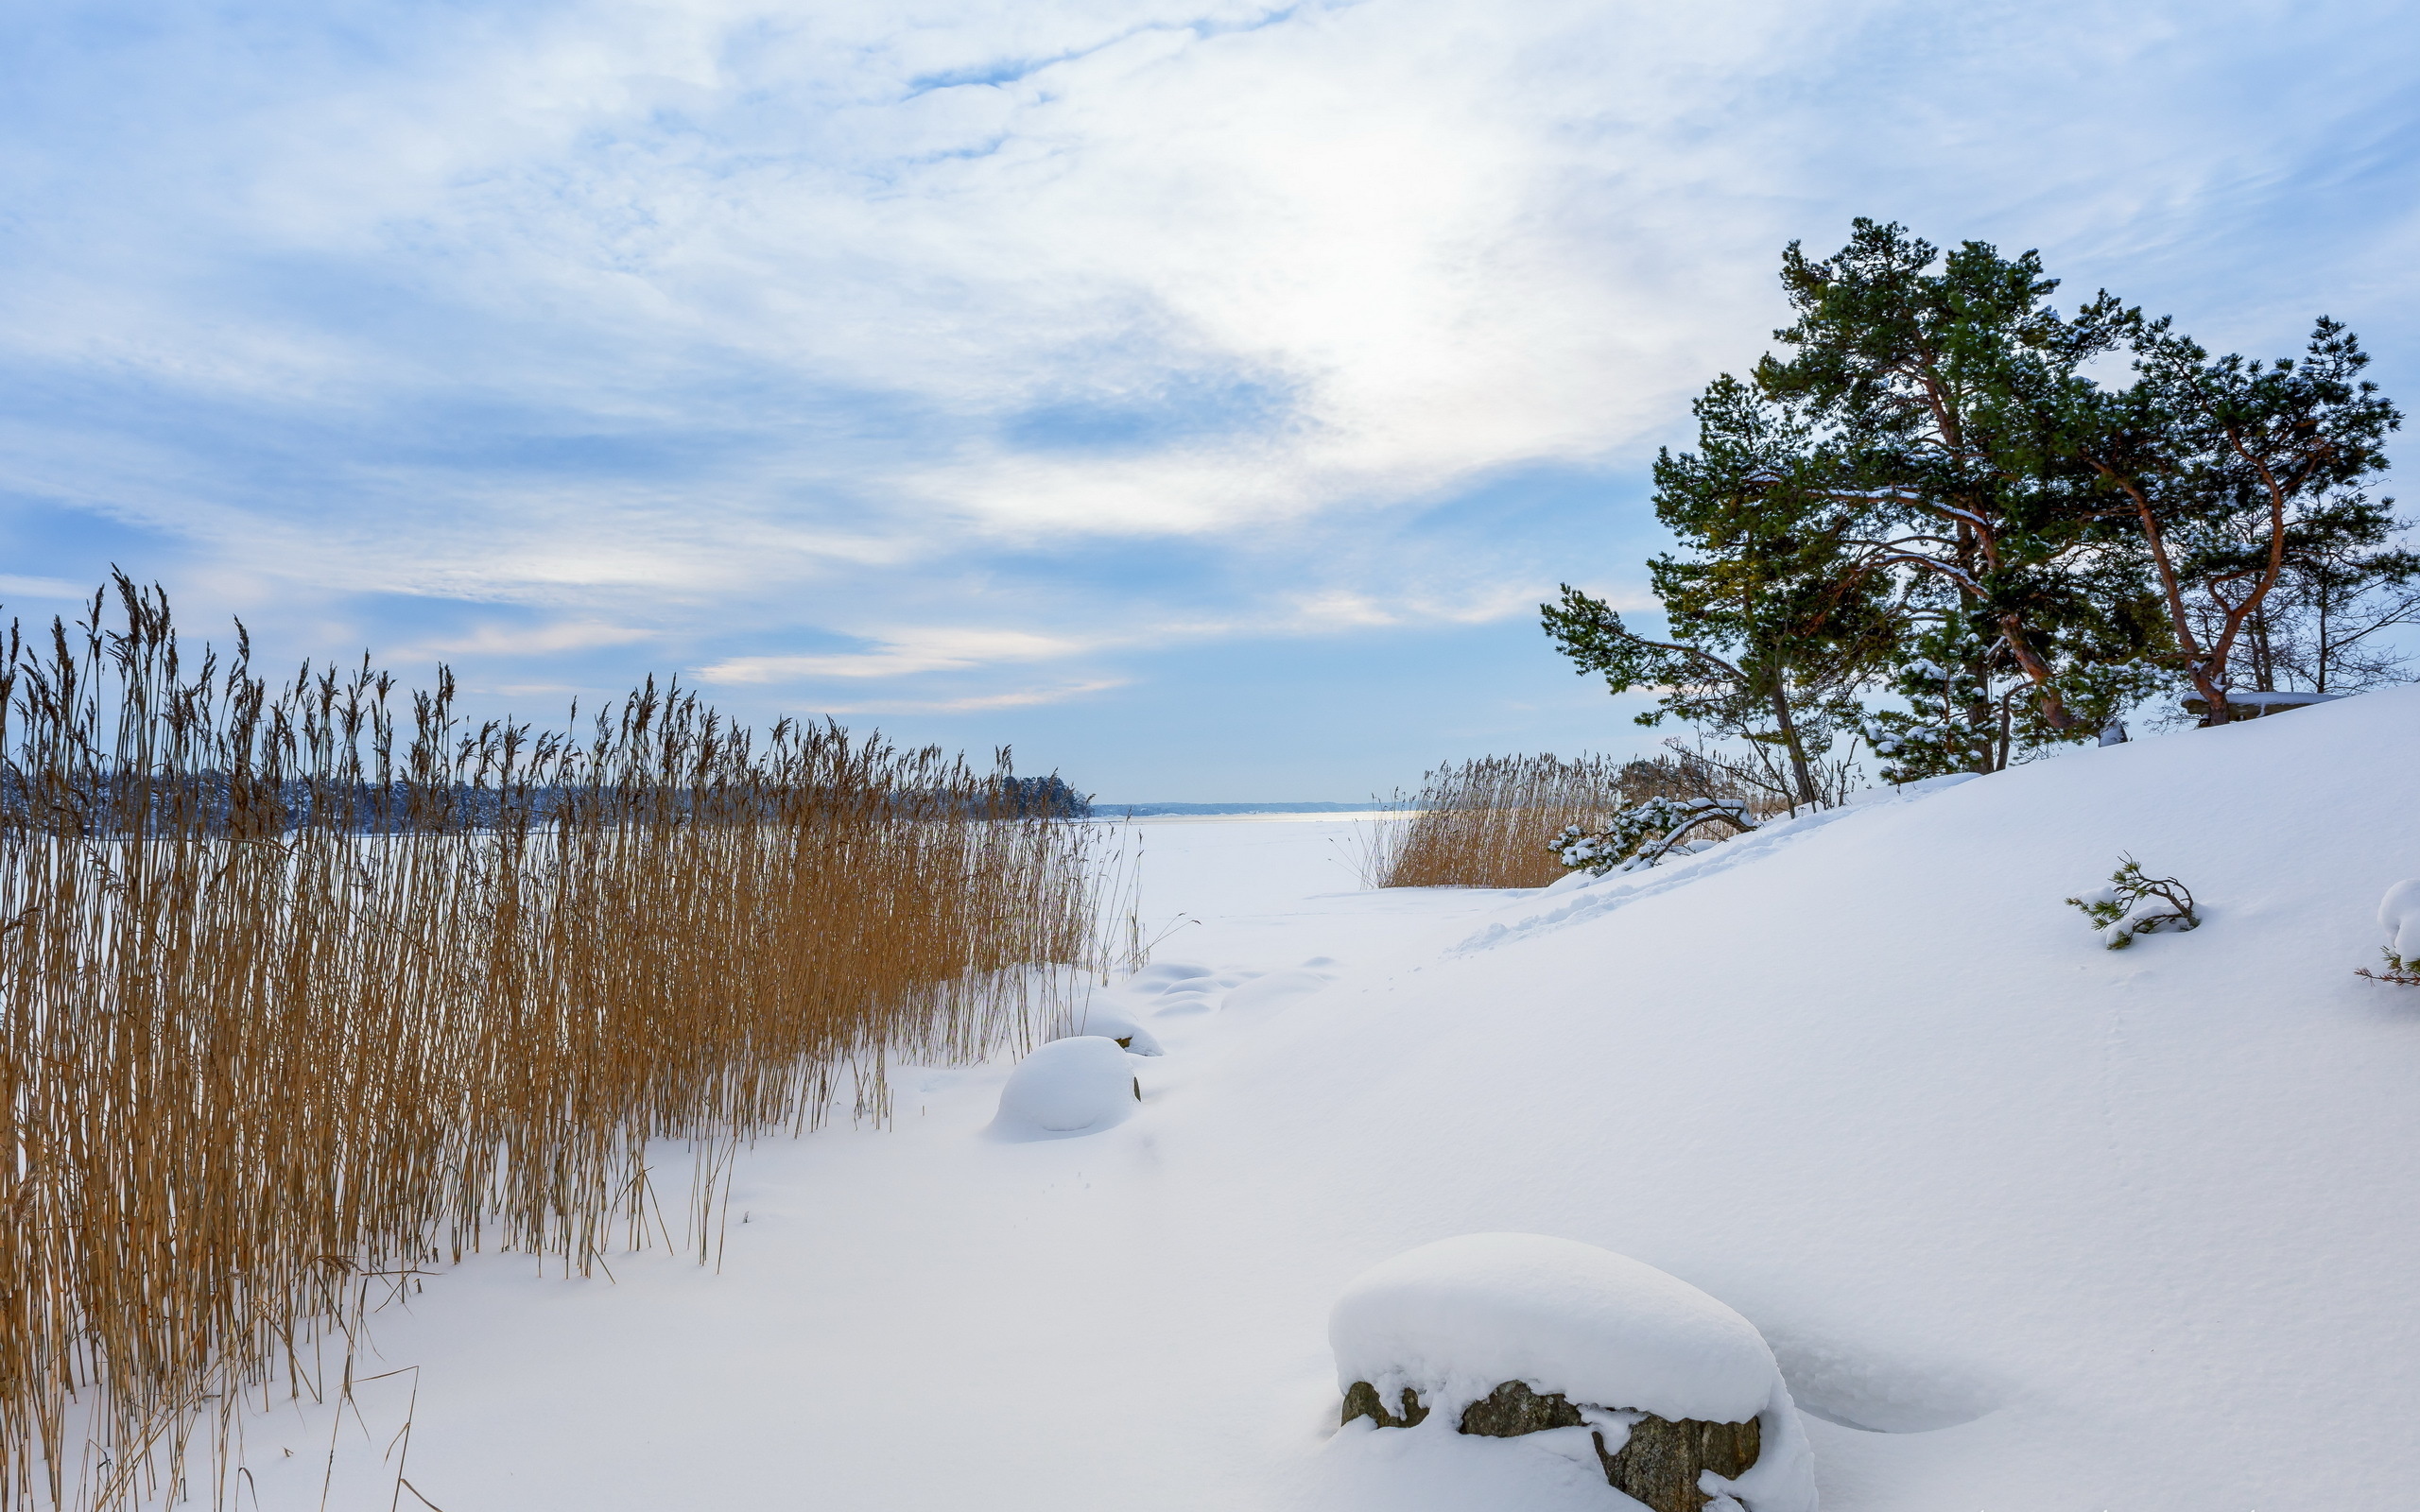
[(976, 703), (13, 586), (529, 640), (907, 653)]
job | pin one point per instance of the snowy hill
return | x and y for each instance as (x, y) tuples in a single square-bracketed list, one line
[(2028, 1224)]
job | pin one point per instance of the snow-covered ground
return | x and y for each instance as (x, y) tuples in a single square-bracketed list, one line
[(2027, 1223)]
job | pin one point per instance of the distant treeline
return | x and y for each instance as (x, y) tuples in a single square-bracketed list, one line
[(220, 802)]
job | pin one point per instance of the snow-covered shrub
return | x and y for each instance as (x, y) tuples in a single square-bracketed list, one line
[(1647, 832), (2134, 903), (1443, 1327), (2399, 916), (1078, 1086)]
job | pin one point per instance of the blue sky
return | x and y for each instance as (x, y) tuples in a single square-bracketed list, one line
[(1198, 397)]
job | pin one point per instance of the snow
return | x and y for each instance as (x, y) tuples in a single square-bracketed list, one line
[(1110, 1021), (2027, 1224), (2399, 916), (1276, 988), (1080, 1085), (1455, 1318)]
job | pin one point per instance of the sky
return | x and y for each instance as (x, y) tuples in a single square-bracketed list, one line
[(1198, 398)]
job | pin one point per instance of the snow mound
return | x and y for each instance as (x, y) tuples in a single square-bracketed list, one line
[(1077, 1086), (1162, 976), (1454, 1319), (2399, 916), (1112, 1022), (1179, 986), (1275, 988)]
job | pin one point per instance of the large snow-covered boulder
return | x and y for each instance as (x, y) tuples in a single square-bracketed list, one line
[(1504, 1334), (1078, 1086)]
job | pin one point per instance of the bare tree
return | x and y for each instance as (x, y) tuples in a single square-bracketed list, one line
[(2329, 626)]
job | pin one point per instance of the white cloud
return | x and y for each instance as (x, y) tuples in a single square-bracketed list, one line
[(904, 654), (13, 586), (975, 703), (531, 640)]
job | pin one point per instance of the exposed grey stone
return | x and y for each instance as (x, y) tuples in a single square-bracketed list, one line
[(1361, 1400), (1658, 1465), (1512, 1409)]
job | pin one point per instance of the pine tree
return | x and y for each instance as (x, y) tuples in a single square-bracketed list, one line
[(2229, 471), (1775, 615), (1932, 375)]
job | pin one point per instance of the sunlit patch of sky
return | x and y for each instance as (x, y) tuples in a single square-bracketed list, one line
[(1201, 397)]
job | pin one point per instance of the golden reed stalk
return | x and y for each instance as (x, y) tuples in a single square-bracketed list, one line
[(294, 1003)]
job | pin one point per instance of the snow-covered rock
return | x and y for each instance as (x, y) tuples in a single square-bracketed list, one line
[(2399, 916), (1077, 1085), (1454, 1319), (1563, 1316)]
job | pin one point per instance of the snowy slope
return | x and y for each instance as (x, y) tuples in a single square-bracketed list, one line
[(2028, 1224)]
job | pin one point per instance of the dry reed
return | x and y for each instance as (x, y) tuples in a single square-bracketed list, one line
[(1487, 823), (294, 1001), (1490, 823)]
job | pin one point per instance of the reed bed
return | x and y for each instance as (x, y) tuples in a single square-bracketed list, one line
[(1488, 823), (301, 994)]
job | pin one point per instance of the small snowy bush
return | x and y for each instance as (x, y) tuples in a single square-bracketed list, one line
[(2399, 916), (1641, 837), (2134, 904)]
